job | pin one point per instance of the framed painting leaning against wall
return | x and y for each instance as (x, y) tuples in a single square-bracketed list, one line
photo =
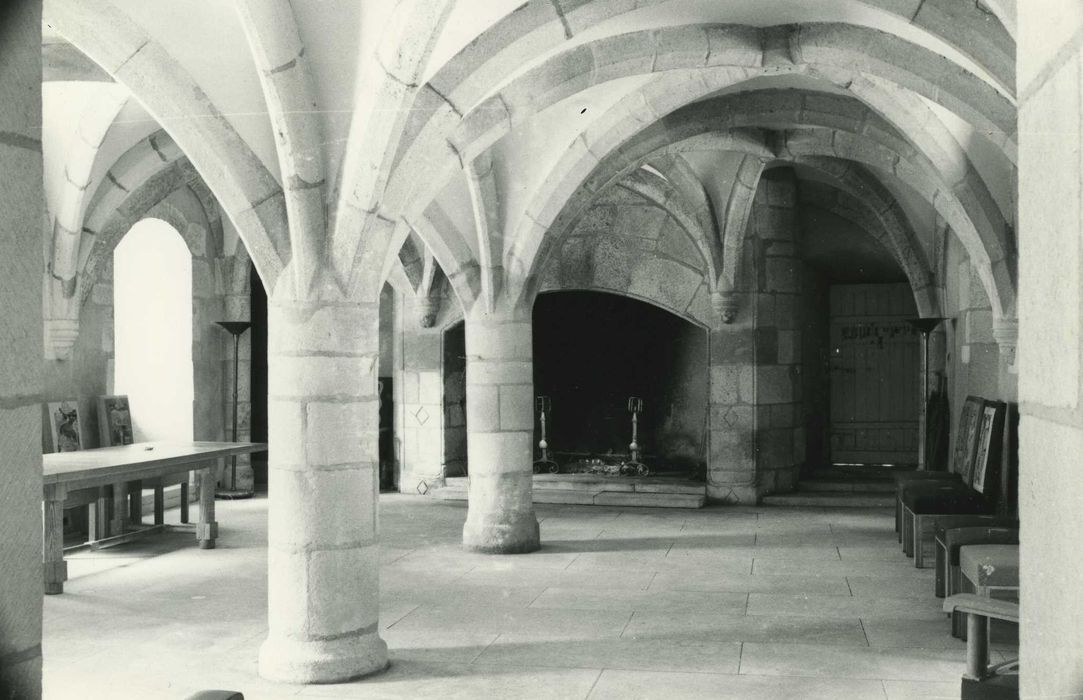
[(65, 426), (992, 423), (114, 420)]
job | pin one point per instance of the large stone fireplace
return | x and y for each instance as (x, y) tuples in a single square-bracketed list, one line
[(592, 351)]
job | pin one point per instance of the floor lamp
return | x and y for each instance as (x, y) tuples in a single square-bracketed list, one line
[(236, 329), (924, 326)]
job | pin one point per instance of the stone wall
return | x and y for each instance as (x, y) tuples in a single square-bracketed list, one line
[(628, 245), (21, 269), (89, 371), (972, 358), (417, 366), (757, 436), (1050, 347)]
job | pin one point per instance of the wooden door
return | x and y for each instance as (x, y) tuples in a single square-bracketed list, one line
[(874, 373)]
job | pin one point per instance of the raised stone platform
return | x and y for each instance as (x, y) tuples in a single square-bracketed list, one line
[(591, 489), (830, 490)]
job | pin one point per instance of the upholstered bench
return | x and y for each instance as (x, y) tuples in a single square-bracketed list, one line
[(952, 535), (907, 479), (990, 567)]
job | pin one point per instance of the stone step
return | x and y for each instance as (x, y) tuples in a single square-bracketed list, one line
[(815, 484), (856, 473), (599, 497), (618, 483), (831, 499)]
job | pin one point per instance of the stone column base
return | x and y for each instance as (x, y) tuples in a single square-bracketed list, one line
[(514, 532), (733, 495), (20, 674), (322, 661)]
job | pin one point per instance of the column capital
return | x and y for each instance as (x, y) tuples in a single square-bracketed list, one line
[(427, 309), (724, 302), (1006, 333), (60, 337)]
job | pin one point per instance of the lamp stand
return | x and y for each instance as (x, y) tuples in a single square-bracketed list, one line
[(236, 329), (924, 326)]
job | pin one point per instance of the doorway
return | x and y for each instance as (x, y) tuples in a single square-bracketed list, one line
[(874, 375)]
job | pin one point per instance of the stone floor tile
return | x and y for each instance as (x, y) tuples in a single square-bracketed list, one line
[(904, 586), (392, 613), (921, 690), (680, 627), (624, 599), (548, 622), (871, 553), (649, 685), (469, 594), (419, 679), (796, 553), (437, 645), (858, 662), (701, 655), (635, 560), (910, 632), (711, 581), (781, 565), (499, 574), (831, 606)]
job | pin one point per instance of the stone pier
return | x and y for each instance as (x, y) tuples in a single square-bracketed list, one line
[(500, 429), (21, 358), (323, 593)]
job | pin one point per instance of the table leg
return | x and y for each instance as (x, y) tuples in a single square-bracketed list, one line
[(207, 528), (120, 509), (98, 516), (55, 569), (136, 494), (977, 646), (940, 585), (159, 504), (184, 501), (919, 541)]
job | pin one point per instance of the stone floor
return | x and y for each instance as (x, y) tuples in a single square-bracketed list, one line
[(620, 603)]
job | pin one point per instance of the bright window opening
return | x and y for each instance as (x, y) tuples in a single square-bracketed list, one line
[(152, 298)]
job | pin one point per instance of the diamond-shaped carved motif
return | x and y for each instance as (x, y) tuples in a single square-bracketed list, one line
[(421, 416), (730, 417)]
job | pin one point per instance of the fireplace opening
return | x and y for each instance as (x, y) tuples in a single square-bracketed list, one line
[(592, 352)]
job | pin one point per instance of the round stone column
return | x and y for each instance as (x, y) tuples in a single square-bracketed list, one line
[(323, 587), (500, 436)]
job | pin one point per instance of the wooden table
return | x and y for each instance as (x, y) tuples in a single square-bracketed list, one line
[(98, 468)]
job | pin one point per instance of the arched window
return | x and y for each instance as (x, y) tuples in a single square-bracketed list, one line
[(152, 301)]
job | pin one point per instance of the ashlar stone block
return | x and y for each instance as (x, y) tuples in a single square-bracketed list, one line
[(774, 384), (341, 433), (517, 407), (323, 506), (724, 384)]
